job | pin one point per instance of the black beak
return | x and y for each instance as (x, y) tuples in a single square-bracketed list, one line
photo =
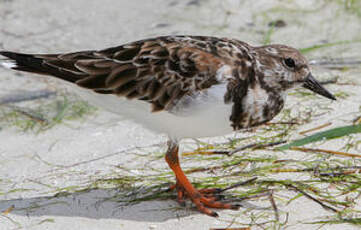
[(312, 84)]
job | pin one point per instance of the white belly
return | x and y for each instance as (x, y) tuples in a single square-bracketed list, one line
[(206, 116)]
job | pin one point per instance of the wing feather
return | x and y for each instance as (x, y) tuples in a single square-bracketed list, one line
[(160, 70)]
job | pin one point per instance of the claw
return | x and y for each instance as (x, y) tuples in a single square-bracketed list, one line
[(203, 198)]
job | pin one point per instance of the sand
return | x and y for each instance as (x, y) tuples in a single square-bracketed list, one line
[(72, 155)]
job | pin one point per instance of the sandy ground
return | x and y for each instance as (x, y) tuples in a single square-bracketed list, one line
[(34, 167)]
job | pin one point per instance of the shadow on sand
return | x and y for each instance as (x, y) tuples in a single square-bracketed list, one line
[(97, 204), (101, 204)]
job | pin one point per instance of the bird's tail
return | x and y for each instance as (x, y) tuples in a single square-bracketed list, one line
[(6, 62), (46, 64), (22, 62)]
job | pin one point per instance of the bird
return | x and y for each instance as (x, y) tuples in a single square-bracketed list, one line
[(182, 85)]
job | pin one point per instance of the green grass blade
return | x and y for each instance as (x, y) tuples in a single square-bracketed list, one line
[(355, 221), (325, 135), (319, 46)]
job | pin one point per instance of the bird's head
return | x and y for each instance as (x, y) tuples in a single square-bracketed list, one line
[(282, 67)]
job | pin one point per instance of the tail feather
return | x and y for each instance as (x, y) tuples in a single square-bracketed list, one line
[(7, 63), (36, 64), (23, 62)]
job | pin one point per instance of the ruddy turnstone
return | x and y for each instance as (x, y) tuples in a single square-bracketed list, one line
[(185, 86)]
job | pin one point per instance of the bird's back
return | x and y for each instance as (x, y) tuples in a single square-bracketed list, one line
[(166, 83)]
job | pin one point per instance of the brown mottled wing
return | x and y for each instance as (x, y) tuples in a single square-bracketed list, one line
[(159, 70)]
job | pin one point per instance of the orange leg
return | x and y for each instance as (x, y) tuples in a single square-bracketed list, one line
[(201, 198)]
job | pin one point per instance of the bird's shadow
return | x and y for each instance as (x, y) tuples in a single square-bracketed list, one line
[(98, 204)]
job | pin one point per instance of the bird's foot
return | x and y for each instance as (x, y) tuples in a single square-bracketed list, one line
[(203, 199)]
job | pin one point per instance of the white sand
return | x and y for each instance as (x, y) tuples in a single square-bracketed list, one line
[(92, 149)]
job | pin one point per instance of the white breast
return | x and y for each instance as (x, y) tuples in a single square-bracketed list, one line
[(205, 115)]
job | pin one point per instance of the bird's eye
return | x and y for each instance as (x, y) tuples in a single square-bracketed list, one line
[(290, 62)]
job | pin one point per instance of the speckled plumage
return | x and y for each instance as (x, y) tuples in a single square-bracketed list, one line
[(171, 72), (185, 86)]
